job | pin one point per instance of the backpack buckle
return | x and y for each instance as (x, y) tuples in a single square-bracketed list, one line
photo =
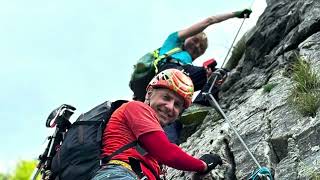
[(103, 162)]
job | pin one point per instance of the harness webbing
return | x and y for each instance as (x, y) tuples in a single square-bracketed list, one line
[(159, 58), (106, 159)]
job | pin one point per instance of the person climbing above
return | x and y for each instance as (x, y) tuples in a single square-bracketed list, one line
[(179, 50), (168, 94), (187, 44)]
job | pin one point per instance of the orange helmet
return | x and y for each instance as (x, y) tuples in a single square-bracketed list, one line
[(176, 81)]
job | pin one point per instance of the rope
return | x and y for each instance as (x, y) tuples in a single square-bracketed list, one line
[(229, 50), (234, 39), (214, 103), (250, 7), (233, 42)]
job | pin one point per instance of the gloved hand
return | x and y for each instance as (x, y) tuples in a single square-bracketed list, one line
[(220, 75), (212, 160), (222, 72), (241, 14)]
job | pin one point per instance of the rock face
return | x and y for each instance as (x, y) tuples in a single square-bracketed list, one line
[(278, 136)]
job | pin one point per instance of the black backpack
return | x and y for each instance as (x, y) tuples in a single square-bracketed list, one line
[(79, 154)]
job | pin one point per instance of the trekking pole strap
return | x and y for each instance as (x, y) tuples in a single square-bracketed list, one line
[(213, 102)]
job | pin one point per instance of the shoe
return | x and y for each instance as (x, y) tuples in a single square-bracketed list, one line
[(195, 114)]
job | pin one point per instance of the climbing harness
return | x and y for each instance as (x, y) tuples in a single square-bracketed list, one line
[(159, 58)]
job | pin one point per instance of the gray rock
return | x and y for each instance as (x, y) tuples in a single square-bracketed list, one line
[(275, 132)]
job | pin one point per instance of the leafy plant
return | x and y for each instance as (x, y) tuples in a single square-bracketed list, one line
[(268, 87), (23, 170), (4, 176), (306, 92)]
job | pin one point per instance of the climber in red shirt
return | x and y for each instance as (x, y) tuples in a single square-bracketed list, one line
[(168, 94)]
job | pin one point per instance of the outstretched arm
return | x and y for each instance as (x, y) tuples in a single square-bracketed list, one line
[(158, 146), (202, 25)]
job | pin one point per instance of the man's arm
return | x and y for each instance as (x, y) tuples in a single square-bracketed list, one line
[(158, 146), (202, 25)]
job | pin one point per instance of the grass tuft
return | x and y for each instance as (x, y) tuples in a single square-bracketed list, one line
[(305, 95), (268, 87)]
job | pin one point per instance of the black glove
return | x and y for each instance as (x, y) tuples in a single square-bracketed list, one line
[(212, 160), (221, 71), (220, 75), (241, 14)]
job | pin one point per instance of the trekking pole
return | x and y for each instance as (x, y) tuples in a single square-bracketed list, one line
[(58, 118), (42, 160), (214, 103)]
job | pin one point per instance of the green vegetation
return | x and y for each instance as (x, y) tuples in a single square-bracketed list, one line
[(23, 170), (305, 95), (315, 176), (312, 171), (4, 176), (268, 87)]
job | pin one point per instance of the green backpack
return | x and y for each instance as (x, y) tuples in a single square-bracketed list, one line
[(145, 69)]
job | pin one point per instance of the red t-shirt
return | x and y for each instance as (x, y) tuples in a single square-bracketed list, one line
[(126, 124)]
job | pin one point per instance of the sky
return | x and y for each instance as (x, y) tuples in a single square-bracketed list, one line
[(82, 53)]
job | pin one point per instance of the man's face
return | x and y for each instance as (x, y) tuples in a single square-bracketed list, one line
[(167, 104), (194, 46)]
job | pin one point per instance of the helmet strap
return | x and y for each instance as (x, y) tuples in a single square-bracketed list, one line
[(148, 95)]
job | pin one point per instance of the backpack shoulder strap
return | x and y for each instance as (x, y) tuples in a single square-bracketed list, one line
[(120, 150), (165, 55)]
